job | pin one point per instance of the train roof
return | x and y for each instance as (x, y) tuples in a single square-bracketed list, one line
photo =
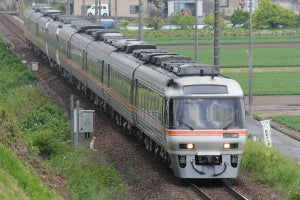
[(67, 19), (141, 51)]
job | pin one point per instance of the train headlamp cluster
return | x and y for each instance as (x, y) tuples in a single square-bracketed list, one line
[(230, 145), (187, 146)]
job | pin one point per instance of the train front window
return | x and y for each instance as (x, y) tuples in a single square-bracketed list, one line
[(220, 113)]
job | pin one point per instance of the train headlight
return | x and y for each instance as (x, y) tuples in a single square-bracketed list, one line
[(187, 146), (230, 145)]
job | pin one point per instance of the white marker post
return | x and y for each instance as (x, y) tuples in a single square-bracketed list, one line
[(267, 132)]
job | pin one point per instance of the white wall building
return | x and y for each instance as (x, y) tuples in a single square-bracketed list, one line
[(185, 5)]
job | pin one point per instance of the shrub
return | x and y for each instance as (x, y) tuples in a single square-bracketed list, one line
[(271, 167)]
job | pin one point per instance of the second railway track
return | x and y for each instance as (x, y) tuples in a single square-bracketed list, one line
[(14, 27)]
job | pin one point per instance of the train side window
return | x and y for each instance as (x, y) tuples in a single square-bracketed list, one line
[(37, 29), (102, 70), (170, 113)]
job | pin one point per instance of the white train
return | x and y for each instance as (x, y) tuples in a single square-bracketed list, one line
[(186, 113)]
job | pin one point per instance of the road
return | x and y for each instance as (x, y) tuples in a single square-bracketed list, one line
[(267, 106)]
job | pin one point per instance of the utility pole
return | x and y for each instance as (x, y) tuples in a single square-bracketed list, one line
[(83, 8), (116, 14), (250, 62), (96, 9), (216, 36), (141, 20), (196, 32), (100, 14), (68, 7)]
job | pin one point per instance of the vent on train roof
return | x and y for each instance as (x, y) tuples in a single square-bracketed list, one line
[(82, 25), (129, 45), (132, 47), (39, 7), (49, 12), (113, 41), (157, 60), (55, 16), (122, 43), (194, 69), (110, 35), (68, 19), (137, 53), (148, 56), (91, 31), (169, 65), (97, 35)]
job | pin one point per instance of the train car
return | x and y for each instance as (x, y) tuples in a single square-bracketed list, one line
[(190, 116)]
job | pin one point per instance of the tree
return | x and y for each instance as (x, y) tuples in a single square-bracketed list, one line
[(156, 12), (239, 17), (273, 15), (174, 18), (209, 20), (123, 24), (186, 21), (155, 22)]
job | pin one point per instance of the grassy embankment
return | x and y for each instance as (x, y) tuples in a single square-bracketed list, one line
[(28, 113)]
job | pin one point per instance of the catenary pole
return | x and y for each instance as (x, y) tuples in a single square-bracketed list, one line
[(141, 20), (250, 62), (216, 36), (196, 32)]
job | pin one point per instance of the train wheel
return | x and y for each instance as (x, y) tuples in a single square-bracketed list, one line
[(157, 153), (147, 143)]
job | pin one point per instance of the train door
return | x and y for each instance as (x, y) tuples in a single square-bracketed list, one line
[(134, 98), (106, 80), (47, 42), (84, 60), (56, 47)]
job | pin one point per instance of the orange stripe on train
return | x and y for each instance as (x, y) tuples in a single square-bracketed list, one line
[(241, 132)]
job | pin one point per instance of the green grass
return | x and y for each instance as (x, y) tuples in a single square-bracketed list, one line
[(269, 83), (272, 168), (26, 110), (21, 180), (223, 40), (292, 122), (262, 57), (227, 36)]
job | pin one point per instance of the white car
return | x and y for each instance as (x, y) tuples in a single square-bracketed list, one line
[(104, 10)]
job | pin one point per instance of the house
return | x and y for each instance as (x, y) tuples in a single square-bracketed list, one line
[(185, 6), (128, 8), (227, 7)]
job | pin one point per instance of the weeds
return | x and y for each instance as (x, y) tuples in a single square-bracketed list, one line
[(272, 168)]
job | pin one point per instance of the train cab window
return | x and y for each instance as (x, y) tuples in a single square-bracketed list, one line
[(220, 113)]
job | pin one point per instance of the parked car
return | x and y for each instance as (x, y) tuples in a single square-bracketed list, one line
[(104, 10)]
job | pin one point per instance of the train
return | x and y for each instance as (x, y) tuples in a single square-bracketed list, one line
[(188, 114)]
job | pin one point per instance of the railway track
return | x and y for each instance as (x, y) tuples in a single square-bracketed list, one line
[(14, 27), (209, 189)]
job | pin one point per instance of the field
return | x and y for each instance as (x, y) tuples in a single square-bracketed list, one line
[(238, 57)]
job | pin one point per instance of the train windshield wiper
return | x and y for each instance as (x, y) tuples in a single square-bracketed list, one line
[(228, 125), (187, 125)]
